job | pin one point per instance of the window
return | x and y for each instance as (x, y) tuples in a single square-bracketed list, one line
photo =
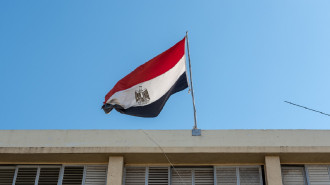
[(193, 176), (241, 175), (73, 175), (146, 175), (26, 176), (306, 175), (96, 175), (53, 175), (226, 176), (318, 174), (250, 176), (49, 175), (244, 175), (158, 175), (293, 175), (7, 174), (135, 176)]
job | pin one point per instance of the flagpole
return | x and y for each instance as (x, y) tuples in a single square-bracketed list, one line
[(195, 130)]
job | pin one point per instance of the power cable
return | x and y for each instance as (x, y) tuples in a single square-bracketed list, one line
[(154, 141), (307, 108)]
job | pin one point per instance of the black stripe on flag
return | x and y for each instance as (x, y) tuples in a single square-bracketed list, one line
[(153, 109)]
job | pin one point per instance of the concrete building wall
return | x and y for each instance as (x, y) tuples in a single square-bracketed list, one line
[(118, 148), (149, 146), (165, 138)]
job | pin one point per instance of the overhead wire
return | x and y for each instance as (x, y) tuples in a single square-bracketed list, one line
[(154, 141), (307, 108)]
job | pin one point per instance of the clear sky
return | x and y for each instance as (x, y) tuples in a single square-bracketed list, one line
[(58, 59)]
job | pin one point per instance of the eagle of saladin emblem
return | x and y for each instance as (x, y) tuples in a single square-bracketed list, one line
[(142, 96)]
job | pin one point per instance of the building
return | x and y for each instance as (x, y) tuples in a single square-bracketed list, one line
[(159, 157)]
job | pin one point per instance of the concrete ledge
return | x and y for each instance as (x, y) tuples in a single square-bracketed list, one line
[(122, 150), (165, 138), (160, 160), (142, 146)]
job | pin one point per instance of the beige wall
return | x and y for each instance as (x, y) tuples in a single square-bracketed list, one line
[(115, 170), (165, 138), (273, 170), (147, 147), (142, 146)]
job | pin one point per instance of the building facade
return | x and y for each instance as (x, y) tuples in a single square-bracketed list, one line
[(159, 157)]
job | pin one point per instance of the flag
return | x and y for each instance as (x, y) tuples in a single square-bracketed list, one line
[(145, 90)]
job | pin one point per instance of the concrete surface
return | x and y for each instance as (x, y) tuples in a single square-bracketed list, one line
[(115, 170), (273, 170), (147, 146), (165, 138)]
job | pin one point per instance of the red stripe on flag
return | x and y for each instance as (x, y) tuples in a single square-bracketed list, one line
[(151, 69)]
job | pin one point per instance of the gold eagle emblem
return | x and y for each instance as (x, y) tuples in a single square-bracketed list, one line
[(142, 96)]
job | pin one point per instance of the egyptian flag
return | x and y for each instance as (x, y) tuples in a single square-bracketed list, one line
[(145, 91)]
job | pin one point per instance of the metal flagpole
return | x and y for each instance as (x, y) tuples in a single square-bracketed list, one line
[(195, 130)]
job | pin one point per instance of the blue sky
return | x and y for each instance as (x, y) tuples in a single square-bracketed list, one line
[(58, 59)]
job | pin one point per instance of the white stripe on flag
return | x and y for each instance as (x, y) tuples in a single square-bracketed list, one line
[(156, 87)]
